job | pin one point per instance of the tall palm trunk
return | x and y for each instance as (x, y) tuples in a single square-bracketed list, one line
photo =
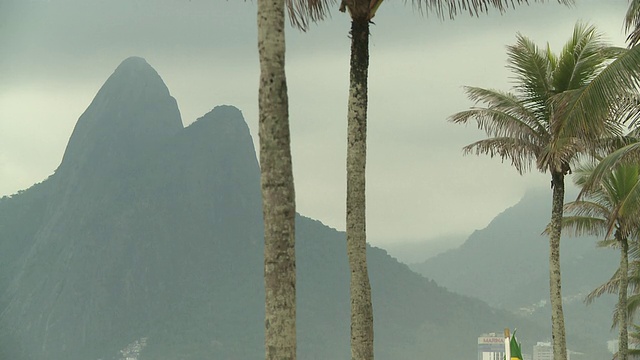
[(361, 307), (278, 199), (557, 316), (623, 344)]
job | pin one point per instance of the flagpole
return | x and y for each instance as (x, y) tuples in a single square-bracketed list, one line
[(507, 344)]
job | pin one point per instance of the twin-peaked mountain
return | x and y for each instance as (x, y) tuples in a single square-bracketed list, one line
[(147, 242)]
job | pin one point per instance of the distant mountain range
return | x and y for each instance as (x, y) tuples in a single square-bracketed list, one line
[(506, 265), (146, 243)]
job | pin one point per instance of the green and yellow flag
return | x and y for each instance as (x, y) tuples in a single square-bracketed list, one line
[(516, 352)]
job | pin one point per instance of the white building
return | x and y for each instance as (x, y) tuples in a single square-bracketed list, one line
[(543, 351), (490, 347)]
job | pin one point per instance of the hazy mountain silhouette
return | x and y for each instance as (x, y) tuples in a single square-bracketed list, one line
[(418, 250), (149, 236), (511, 250)]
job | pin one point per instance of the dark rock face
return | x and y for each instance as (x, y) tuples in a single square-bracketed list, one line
[(149, 236)]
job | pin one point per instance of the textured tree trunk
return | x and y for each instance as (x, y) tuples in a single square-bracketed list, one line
[(623, 345), (557, 316), (361, 307), (278, 199)]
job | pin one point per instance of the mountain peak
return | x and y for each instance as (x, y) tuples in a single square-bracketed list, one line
[(227, 111), (134, 62), (136, 71), (132, 111), (226, 122)]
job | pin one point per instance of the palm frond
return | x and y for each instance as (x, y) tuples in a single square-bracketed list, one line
[(503, 115), (303, 12), (581, 58), (634, 333), (627, 154), (503, 101), (582, 225), (453, 8), (632, 22), (634, 265), (627, 109), (628, 209), (633, 303), (532, 72), (585, 109), (520, 153), (609, 287), (607, 243), (496, 123), (616, 197), (606, 145), (587, 208)]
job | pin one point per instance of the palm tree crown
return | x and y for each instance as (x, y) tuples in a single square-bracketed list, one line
[(609, 209), (530, 125)]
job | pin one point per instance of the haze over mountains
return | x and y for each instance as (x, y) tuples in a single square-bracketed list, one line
[(418, 250), (147, 241), (511, 253)]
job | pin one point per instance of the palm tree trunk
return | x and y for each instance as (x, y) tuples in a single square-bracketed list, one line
[(361, 307), (623, 344), (557, 316), (278, 198)]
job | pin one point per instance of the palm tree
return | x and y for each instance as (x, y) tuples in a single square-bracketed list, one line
[(537, 124), (278, 197), (302, 13), (610, 209)]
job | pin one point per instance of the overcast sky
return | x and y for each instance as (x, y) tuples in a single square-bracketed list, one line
[(55, 55)]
